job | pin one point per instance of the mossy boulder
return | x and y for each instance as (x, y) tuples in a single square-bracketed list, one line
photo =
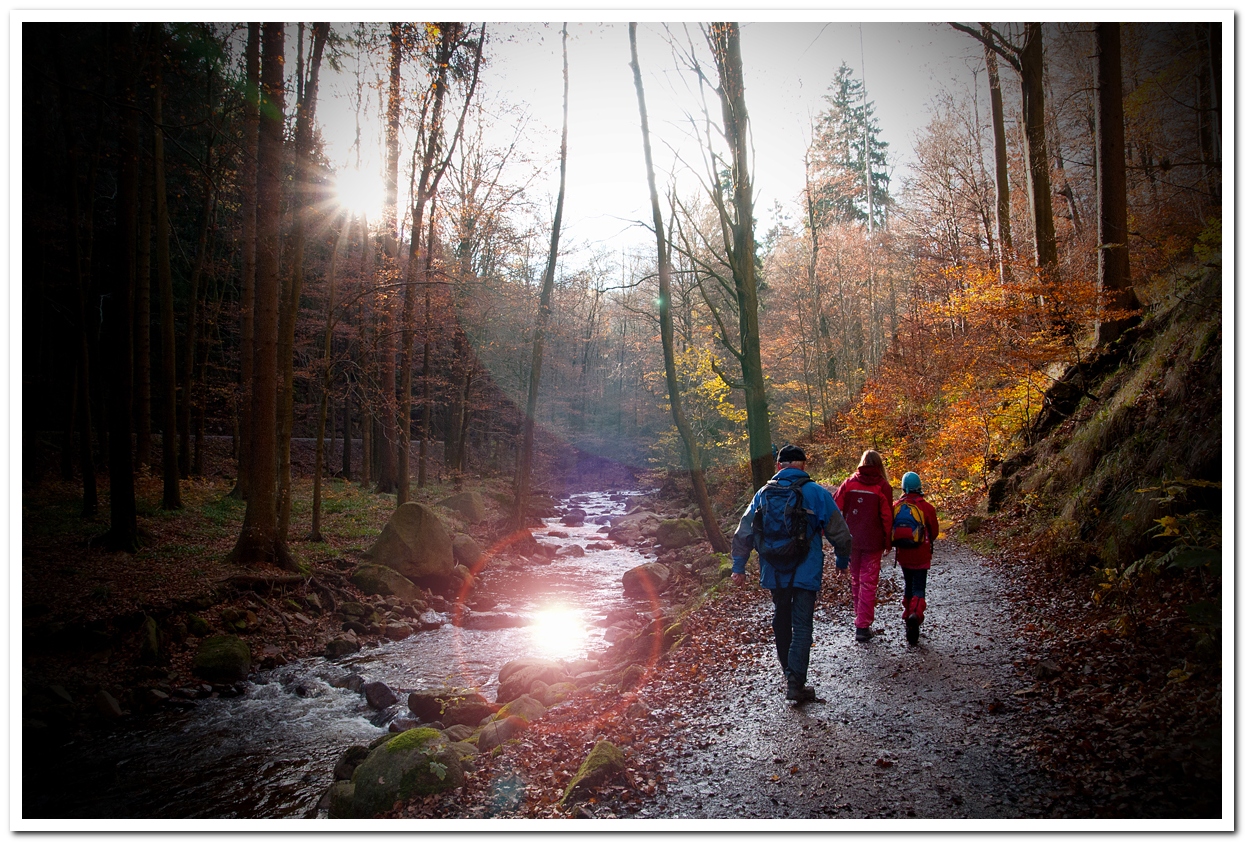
[(678, 533), (469, 505), (466, 551), (223, 659), (198, 626), (450, 707), (647, 580), (149, 642), (415, 543), (415, 762), (340, 799), (377, 579), (602, 765), (527, 707)]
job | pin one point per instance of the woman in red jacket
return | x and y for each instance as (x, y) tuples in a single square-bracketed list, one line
[(915, 561), (865, 501)]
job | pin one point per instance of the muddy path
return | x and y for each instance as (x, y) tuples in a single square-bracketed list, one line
[(897, 731)]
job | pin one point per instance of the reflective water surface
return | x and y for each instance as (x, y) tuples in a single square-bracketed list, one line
[(270, 752)]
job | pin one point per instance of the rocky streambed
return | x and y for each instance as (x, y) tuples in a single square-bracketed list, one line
[(408, 677)]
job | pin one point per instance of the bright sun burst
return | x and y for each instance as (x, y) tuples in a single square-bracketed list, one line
[(360, 192), (558, 631)]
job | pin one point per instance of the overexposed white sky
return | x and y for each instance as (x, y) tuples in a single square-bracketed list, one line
[(788, 68)]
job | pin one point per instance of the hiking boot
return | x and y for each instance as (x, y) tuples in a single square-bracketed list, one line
[(914, 629), (799, 693), (864, 634)]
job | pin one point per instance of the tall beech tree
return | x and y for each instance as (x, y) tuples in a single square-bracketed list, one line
[(164, 272), (1026, 57), (740, 243), (523, 466), (304, 128), (1113, 269), (699, 489), (260, 541), (246, 298), (1002, 186), (118, 326)]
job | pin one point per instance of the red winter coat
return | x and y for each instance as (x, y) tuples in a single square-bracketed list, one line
[(865, 501), (918, 558)]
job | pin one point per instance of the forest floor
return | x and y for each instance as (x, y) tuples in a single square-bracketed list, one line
[(1021, 700)]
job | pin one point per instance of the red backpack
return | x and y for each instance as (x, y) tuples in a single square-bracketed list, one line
[(862, 509)]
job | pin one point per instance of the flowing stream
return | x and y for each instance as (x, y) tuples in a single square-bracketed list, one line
[(270, 752)]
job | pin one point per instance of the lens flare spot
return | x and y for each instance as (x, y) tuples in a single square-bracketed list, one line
[(558, 631)]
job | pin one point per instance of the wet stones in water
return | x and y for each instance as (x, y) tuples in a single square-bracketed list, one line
[(574, 517), (348, 762), (600, 545), (570, 551), (557, 533), (340, 647), (450, 707), (378, 695), (490, 621), (352, 682), (398, 631), (516, 677), (415, 762), (108, 706)]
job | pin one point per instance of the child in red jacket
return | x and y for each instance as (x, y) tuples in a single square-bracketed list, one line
[(915, 561), (865, 501)]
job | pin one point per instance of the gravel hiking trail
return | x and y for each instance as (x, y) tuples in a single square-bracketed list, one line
[(897, 732)]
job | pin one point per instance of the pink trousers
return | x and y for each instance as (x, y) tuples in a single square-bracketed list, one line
[(865, 567)]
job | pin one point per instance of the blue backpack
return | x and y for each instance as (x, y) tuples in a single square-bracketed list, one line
[(780, 525)]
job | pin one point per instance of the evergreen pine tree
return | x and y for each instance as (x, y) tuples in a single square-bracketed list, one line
[(846, 136)]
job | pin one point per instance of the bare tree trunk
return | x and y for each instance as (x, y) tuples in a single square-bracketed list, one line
[(259, 540), (142, 324), (303, 137), (1033, 109), (699, 489), (347, 437), (327, 381), (725, 43), (192, 328), (384, 438), (168, 334), (1002, 187), (118, 327), (247, 174), (1113, 264), (523, 469)]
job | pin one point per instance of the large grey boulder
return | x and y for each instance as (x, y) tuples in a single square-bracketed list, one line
[(646, 580), (516, 677), (678, 533), (495, 733), (223, 659), (469, 504), (631, 528), (415, 762), (466, 551), (415, 543), (377, 579)]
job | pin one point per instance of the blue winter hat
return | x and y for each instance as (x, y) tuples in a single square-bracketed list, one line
[(911, 483)]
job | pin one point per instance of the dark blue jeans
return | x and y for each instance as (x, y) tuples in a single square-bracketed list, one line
[(793, 630), (914, 582)]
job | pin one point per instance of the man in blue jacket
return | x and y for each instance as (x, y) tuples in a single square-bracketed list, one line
[(795, 595)]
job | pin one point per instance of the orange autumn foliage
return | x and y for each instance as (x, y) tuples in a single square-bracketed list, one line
[(966, 375)]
